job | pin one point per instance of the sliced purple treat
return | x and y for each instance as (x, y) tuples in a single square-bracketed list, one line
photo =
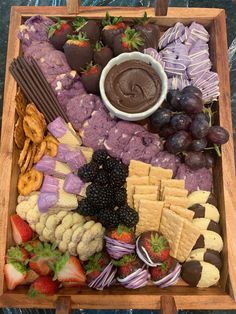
[(166, 160), (46, 165), (57, 127), (178, 82), (73, 184), (197, 32), (46, 201), (154, 53), (116, 249), (50, 184), (96, 130), (195, 179), (172, 34), (75, 159)]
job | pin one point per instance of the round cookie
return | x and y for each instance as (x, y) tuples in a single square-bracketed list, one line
[(207, 224), (209, 240), (201, 197), (200, 274), (205, 211), (206, 255)]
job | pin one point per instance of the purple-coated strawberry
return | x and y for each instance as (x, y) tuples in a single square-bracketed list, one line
[(149, 31), (78, 51), (90, 27), (58, 33), (127, 265), (112, 26), (160, 271), (95, 265), (90, 77), (102, 55), (128, 41)]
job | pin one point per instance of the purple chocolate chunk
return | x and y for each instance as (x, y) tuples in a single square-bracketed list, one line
[(195, 179), (197, 32), (172, 34), (50, 185), (95, 130), (73, 184), (35, 29), (80, 108), (75, 160), (57, 127), (62, 151), (46, 201), (46, 165), (167, 161), (154, 53)]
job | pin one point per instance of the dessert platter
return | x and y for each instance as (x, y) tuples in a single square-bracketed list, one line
[(117, 164)]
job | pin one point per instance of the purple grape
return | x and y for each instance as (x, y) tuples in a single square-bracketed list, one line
[(199, 128), (166, 131), (195, 160), (218, 135), (160, 118), (180, 122), (209, 160), (199, 144), (173, 98), (178, 142), (201, 116), (192, 90), (191, 103)]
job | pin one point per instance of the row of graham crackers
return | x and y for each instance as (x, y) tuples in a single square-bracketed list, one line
[(161, 203)]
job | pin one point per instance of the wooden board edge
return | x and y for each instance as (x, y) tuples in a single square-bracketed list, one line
[(7, 142)]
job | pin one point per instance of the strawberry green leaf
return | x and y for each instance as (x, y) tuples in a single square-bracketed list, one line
[(132, 38), (79, 22), (14, 254), (98, 46), (20, 267), (111, 20), (93, 263), (141, 21), (82, 36), (60, 264)]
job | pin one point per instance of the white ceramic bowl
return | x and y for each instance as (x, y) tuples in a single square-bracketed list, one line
[(133, 56)]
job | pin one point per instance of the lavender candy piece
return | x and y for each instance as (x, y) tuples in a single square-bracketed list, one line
[(73, 184), (57, 127), (200, 61), (154, 53), (96, 129), (34, 29), (51, 166), (62, 151), (119, 137), (195, 179), (75, 159), (50, 184), (172, 34), (80, 108), (197, 32), (208, 83), (46, 201), (167, 161), (178, 82), (182, 39)]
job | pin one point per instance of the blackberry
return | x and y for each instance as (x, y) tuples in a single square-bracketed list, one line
[(88, 172), (109, 218), (99, 196), (111, 163), (121, 197), (85, 208), (128, 216), (102, 177), (118, 175), (100, 156)]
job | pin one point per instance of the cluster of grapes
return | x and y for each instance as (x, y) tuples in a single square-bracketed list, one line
[(187, 127)]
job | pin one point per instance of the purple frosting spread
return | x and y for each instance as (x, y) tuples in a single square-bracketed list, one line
[(50, 184), (46, 165), (167, 161), (57, 127), (75, 160), (73, 184), (46, 201)]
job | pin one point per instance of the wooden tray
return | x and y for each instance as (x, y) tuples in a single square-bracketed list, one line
[(217, 297)]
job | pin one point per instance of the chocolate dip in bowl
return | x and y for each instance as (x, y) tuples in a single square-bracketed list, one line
[(133, 85)]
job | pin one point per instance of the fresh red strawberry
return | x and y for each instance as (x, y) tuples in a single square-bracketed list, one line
[(15, 274), (31, 245), (156, 245), (30, 277), (90, 78), (128, 41), (95, 266), (149, 31), (162, 270), (123, 234), (17, 254), (42, 286), (102, 55), (90, 27), (78, 51), (58, 33), (69, 269), (127, 265), (112, 26), (44, 259), (21, 230)]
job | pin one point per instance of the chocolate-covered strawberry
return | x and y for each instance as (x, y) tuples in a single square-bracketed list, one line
[(78, 51), (90, 77), (149, 31), (152, 248), (58, 33), (90, 27), (112, 26), (128, 41), (102, 54)]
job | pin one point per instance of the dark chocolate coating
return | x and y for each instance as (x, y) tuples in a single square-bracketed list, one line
[(93, 30), (59, 41), (108, 36), (213, 257), (91, 81), (150, 34), (191, 272), (200, 243), (199, 211), (103, 56), (78, 57), (213, 226), (212, 200)]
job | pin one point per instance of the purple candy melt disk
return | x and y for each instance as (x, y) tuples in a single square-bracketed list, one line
[(57, 127), (46, 201), (50, 184), (73, 184)]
